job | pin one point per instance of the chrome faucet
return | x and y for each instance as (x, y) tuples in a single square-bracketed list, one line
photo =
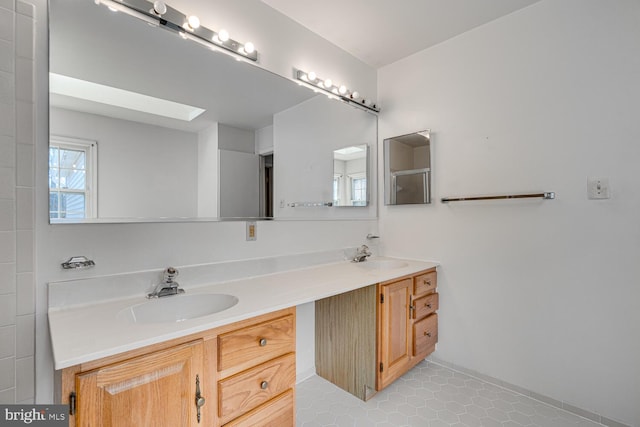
[(168, 286), (361, 254)]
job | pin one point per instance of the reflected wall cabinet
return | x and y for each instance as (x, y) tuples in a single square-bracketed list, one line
[(407, 169)]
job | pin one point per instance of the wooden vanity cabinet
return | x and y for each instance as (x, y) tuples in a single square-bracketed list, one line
[(256, 366), (367, 338), (245, 372), (394, 331), (154, 389)]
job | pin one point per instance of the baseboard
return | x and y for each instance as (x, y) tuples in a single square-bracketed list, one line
[(301, 376)]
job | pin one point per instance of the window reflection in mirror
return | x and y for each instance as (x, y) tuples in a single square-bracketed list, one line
[(350, 176), (72, 189), (407, 169)]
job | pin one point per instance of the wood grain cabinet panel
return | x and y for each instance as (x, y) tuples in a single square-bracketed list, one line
[(256, 344), (425, 283), (394, 331), (249, 389), (425, 335), (278, 412), (152, 390), (425, 305)]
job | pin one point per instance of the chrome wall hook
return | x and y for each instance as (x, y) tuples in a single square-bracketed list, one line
[(78, 263)]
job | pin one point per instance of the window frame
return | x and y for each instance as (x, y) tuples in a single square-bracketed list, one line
[(90, 148), (352, 179)]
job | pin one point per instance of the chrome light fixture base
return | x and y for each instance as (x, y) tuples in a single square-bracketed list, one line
[(160, 14), (333, 91)]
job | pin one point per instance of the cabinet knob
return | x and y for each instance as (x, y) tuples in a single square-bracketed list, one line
[(428, 305), (427, 334), (426, 282), (264, 385), (263, 342)]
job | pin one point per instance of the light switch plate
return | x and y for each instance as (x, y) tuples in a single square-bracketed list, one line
[(598, 188), (252, 231)]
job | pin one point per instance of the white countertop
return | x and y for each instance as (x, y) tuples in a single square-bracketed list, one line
[(90, 332)]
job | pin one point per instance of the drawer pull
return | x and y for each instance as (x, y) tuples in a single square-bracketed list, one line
[(199, 399), (263, 342), (427, 334), (264, 385), (428, 305), (427, 282)]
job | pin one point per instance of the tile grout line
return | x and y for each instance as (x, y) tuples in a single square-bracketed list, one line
[(523, 392)]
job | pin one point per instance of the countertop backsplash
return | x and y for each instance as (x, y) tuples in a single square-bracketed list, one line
[(87, 291)]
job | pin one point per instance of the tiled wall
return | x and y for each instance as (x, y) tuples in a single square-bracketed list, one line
[(17, 302)]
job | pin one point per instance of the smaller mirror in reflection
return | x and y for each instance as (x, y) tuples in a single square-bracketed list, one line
[(407, 169), (350, 174)]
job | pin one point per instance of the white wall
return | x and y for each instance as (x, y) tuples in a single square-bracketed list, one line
[(239, 192), (208, 172), (305, 137), (144, 171), (541, 294), (236, 139), (283, 44), (264, 140)]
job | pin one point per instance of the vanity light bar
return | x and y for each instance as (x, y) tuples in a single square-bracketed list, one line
[(159, 14), (333, 91)]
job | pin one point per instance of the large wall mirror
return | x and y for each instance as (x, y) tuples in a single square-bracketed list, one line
[(146, 126), (407, 169)]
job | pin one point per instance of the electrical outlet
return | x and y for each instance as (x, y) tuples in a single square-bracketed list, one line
[(597, 188), (252, 231)]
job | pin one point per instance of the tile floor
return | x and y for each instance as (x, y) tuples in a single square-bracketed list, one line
[(430, 395)]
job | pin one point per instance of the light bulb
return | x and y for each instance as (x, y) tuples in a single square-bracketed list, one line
[(312, 76), (355, 95), (328, 83), (342, 89), (193, 22), (159, 7), (112, 9), (223, 35), (249, 47)]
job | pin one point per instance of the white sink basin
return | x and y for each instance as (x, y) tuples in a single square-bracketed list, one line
[(177, 308), (382, 264)]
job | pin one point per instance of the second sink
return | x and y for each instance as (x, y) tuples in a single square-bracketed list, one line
[(177, 308)]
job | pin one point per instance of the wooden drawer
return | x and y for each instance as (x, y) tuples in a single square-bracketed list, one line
[(425, 283), (257, 344), (425, 335), (249, 389), (425, 305), (278, 412)]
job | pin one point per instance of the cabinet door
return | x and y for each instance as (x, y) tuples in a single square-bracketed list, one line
[(157, 389), (394, 331)]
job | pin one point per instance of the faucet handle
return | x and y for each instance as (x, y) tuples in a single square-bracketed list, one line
[(170, 273)]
